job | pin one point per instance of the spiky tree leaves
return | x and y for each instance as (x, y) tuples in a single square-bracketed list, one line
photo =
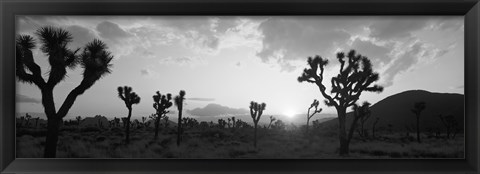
[(161, 103), (129, 98), (354, 77), (179, 103), (314, 105), (256, 111), (95, 61), (418, 107)]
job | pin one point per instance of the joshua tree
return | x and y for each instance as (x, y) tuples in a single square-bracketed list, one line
[(316, 124), (256, 111), (279, 125), (166, 121), (143, 121), (124, 122), (129, 98), (450, 124), (272, 119), (361, 131), (116, 121), (28, 117), (136, 123), (79, 120), (222, 123), (20, 123), (179, 103), (229, 123), (234, 123), (355, 76), (418, 107), (359, 112), (93, 58), (373, 126), (161, 103), (36, 122), (315, 104)]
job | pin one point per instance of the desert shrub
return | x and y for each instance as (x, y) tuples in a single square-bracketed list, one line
[(100, 139), (32, 132), (90, 129)]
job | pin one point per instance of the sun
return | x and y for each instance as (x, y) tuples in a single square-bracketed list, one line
[(289, 113)]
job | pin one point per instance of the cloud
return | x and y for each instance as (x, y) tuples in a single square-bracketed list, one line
[(298, 38), (459, 87), (200, 43), (182, 61), (376, 53), (216, 110), (112, 31), (395, 28), (147, 72), (407, 58), (201, 99), (81, 36), (144, 72), (26, 99)]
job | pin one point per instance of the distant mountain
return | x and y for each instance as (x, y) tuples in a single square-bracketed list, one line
[(213, 109), (395, 110), (94, 121)]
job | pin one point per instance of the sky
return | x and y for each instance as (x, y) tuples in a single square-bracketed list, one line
[(224, 62)]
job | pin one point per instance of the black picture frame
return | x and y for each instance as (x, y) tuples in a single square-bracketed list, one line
[(470, 9)]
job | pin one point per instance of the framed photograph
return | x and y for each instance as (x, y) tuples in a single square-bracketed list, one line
[(239, 86)]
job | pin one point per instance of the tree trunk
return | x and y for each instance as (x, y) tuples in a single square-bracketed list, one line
[(179, 127), (308, 120), (53, 126), (351, 131), (342, 135), (157, 124), (418, 128), (53, 122), (127, 130), (255, 136)]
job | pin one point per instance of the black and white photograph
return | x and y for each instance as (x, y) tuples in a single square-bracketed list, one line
[(240, 87)]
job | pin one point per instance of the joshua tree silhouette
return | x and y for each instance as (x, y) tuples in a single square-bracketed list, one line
[(272, 119), (374, 125), (28, 117), (125, 93), (234, 123), (166, 121), (315, 104), (179, 103), (256, 111), (359, 112), (79, 120), (354, 77), (418, 107), (94, 59), (36, 122), (222, 123), (361, 131), (116, 121), (161, 103), (450, 124)]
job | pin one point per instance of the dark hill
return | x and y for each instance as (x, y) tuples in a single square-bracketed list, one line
[(396, 111)]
